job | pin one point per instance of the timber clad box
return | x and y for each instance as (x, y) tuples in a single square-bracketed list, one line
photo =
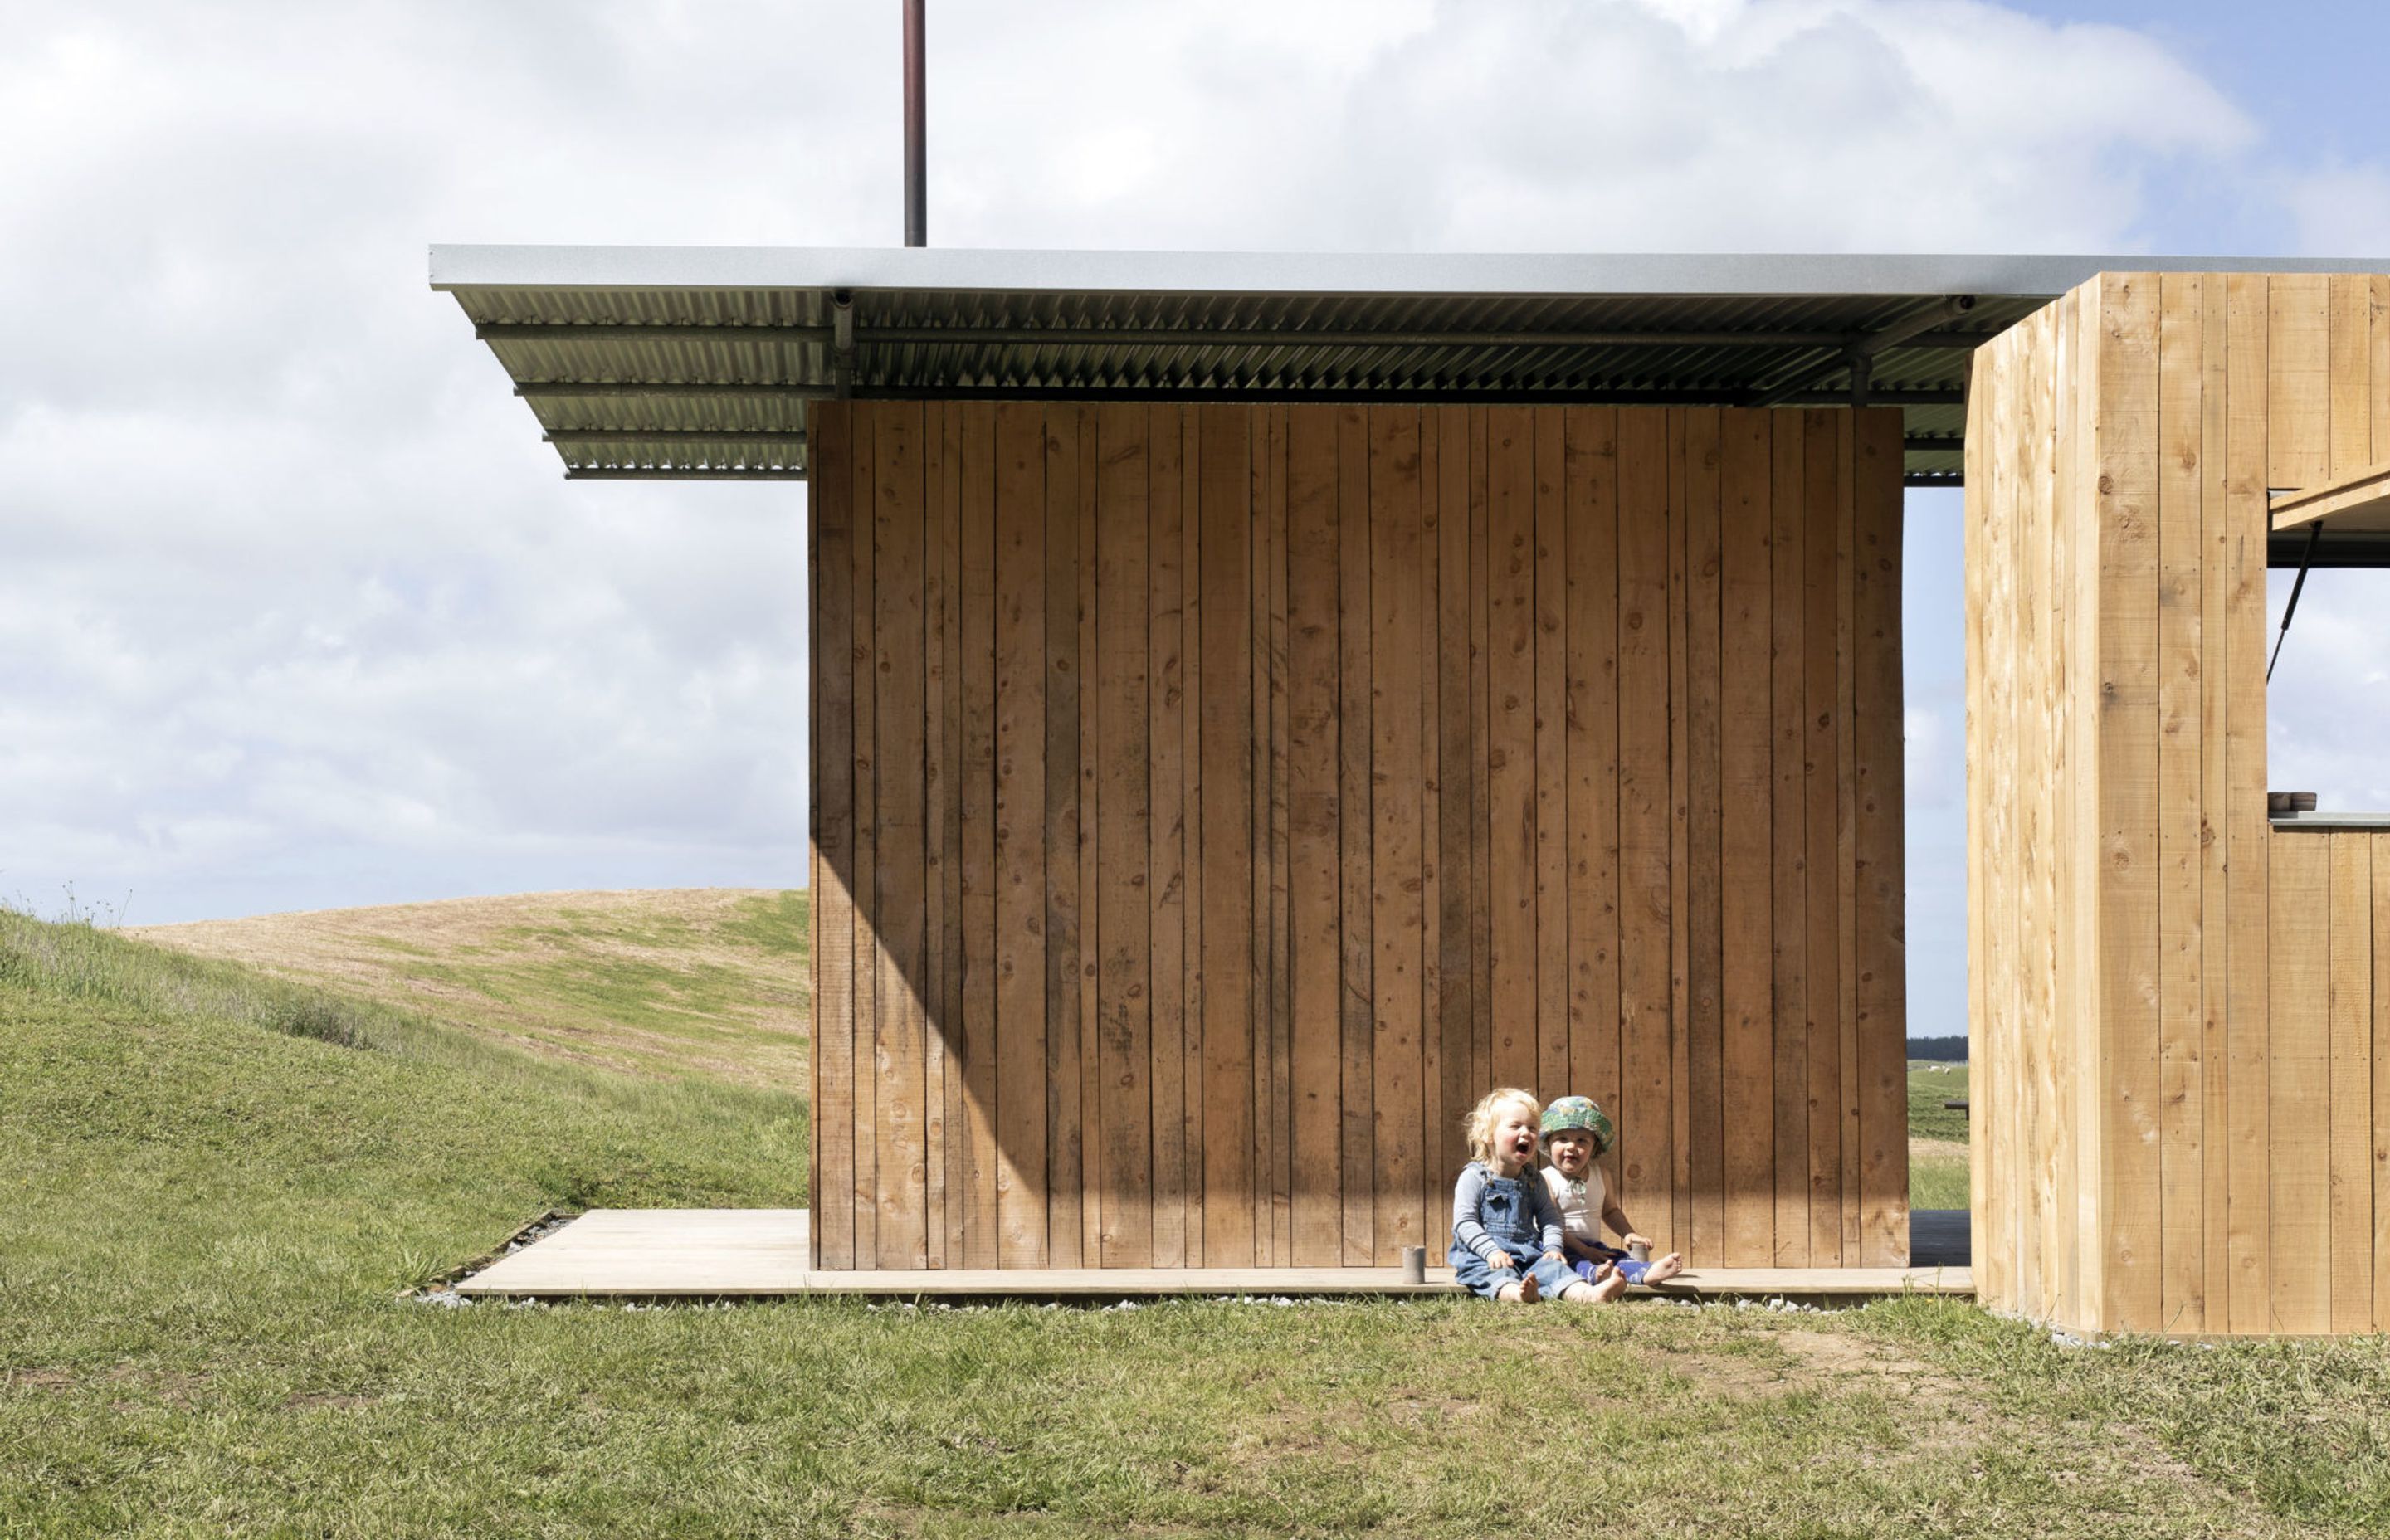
[(2177, 1007), (1213, 801), (1260, 703)]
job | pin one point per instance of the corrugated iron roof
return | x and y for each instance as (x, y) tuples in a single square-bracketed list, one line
[(699, 363)]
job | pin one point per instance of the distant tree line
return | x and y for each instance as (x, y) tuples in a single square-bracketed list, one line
[(1939, 1051)]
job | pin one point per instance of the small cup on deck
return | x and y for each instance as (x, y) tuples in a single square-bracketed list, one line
[(1640, 1252), (1415, 1264)]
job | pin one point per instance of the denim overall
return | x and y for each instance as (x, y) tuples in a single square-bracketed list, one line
[(1514, 1215)]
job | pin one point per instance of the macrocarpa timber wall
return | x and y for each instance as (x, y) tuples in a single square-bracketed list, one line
[(2177, 1010), (1209, 802)]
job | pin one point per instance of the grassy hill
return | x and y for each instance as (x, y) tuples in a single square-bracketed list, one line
[(708, 981), (213, 1184)]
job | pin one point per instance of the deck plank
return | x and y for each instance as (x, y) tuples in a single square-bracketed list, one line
[(1064, 914), (1701, 1075), (1167, 698), (1398, 924), (1457, 787), (1356, 1138), (1549, 717), (831, 520), (1018, 1043), (1226, 852), (1778, 1230), (1121, 1153), (1641, 1160), (1745, 1104), (1511, 756), (762, 1253), (1315, 828)]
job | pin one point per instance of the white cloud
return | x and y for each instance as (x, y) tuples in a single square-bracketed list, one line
[(2340, 210), (1799, 124), (1934, 777), (295, 610)]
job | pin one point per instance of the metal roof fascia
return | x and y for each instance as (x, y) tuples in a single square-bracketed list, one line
[(992, 271)]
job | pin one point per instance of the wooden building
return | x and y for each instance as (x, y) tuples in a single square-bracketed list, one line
[(1259, 703), (2179, 1004), (1294, 774)]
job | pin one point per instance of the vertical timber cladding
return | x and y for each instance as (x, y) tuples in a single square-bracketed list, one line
[(2176, 1011), (1212, 801)]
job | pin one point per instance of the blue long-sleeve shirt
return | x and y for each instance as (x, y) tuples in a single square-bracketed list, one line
[(1532, 1229)]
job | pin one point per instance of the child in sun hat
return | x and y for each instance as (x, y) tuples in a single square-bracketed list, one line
[(1506, 1234), (1576, 1135)]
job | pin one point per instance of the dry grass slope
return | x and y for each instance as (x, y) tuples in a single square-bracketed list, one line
[(706, 981)]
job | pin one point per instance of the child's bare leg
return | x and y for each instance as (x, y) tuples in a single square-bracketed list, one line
[(1608, 1288), (1666, 1267), (1511, 1293)]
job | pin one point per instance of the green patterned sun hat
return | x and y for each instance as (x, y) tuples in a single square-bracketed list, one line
[(1569, 1112)]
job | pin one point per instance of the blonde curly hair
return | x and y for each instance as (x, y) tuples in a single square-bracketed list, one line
[(1480, 1126)]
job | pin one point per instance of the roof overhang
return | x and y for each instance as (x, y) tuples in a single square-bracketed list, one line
[(698, 362)]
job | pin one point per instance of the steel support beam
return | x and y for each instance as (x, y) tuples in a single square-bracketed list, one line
[(672, 435), (917, 130), (645, 473), (514, 331), (551, 390), (1422, 395), (842, 344), (1280, 337), (966, 336), (1861, 353), (602, 389)]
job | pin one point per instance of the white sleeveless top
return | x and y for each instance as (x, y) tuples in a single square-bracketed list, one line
[(1580, 1204)]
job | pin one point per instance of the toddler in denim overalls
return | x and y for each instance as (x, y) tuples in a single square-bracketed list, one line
[(1506, 1232)]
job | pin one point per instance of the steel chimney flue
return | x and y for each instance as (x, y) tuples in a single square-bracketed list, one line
[(917, 194)]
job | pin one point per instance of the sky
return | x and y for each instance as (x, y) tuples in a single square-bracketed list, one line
[(296, 613)]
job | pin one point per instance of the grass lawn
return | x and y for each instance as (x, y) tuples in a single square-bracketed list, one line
[(1937, 1136), (212, 1187), (1929, 1087)]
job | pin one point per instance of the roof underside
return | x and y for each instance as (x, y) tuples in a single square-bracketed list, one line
[(699, 363)]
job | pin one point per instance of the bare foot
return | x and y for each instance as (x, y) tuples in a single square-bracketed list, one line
[(1529, 1289), (1513, 1294), (1610, 1289), (1666, 1267)]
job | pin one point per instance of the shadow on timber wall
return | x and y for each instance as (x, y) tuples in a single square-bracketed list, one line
[(1212, 802)]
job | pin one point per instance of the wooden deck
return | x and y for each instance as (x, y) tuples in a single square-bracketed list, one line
[(649, 1253)]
